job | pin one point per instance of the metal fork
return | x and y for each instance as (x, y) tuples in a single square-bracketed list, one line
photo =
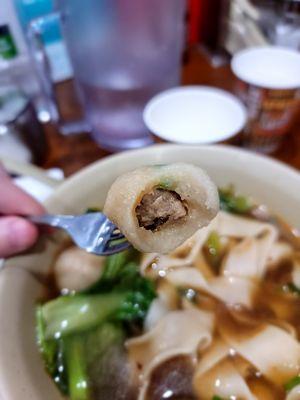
[(93, 232)]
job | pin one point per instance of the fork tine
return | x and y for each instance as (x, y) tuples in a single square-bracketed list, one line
[(115, 248), (115, 236)]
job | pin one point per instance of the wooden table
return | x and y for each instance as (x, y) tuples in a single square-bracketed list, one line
[(74, 152)]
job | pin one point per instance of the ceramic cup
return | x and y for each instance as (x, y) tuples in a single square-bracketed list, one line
[(195, 115), (268, 84)]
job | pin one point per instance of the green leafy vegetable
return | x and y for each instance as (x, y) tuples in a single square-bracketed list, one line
[(92, 210), (116, 266), (233, 203), (48, 348), (76, 368), (77, 313), (52, 353), (75, 331), (213, 246), (217, 398), (102, 338), (120, 294), (166, 184), (291, 288), (121, 274), (292, 383)]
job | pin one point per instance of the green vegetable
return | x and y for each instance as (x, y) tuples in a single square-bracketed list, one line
[(217, 398), (76, 368), (166, 184), (292, 383), (214, 248), (52, 353), (102, 338), (79, 331), (77, 313), (120, 294), (92, 210), (291, 288), (48, 348), (121, 274), (233, 203), (116, 266)]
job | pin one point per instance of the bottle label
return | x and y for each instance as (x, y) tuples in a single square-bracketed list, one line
[(8, 48)]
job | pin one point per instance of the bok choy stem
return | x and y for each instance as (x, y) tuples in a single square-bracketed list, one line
[(76, 368), (73, 314)]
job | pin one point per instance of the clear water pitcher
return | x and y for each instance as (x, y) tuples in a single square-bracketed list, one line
[(123, 52)]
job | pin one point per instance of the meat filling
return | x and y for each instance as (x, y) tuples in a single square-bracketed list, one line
[(158, 207)]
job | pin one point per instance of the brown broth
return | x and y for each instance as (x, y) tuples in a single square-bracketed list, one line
[(280, 305), (239, 322), (271, 304), (264, 389)]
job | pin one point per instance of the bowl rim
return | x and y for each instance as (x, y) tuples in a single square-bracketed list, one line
[(219, 148)]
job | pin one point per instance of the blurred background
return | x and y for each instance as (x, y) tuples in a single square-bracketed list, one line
[(75, 76)]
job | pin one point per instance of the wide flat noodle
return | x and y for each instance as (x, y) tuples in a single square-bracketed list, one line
[(294, 394), (190, 249), (255, 249), (231, 290), (212, 356), (224, 381), (249, 257), (156, 312), (272, 350), (236, 226), (177, 333), (279, 250)]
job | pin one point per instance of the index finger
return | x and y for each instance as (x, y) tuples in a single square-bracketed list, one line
[(14, 200)]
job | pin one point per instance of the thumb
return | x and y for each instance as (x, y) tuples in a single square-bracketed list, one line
[(16, 235)]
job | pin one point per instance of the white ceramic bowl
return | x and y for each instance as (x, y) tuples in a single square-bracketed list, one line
[(22, 376), (195, 115)]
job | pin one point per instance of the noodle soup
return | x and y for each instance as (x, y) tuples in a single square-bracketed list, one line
[(217, 318)]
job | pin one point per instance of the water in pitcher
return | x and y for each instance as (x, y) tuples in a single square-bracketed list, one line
[(115, 115), (115, 112), (123, 52)]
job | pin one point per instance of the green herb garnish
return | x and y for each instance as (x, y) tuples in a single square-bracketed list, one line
[(291, 288), (233, 203), (292, 383)]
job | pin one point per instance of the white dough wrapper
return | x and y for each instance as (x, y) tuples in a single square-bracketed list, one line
[(181, 196)]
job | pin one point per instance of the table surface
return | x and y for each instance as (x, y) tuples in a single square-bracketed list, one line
[(74, 152)]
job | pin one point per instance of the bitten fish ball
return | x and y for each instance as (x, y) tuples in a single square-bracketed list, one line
[(158, 207)]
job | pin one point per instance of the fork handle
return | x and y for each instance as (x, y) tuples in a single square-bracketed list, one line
[(58, 221)]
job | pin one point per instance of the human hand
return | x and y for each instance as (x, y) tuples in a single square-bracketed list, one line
[(16, 233)]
